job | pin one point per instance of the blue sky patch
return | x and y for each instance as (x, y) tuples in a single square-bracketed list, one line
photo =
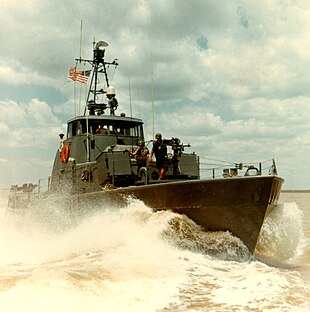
[(244, 19), (202, 42), (26, 92)]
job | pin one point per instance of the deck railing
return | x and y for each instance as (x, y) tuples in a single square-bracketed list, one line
[(211, 168)]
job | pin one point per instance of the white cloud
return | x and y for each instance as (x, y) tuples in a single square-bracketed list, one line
[(27, 124)]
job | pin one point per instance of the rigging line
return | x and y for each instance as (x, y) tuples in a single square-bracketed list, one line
[(77, 9), (218, 160), (266, 161), (77, 100), (211, 164), (138, 97), (77, 103), (74, 99), (129, 86), (81, 38), (81, 44), (112, 76), (152, 67)]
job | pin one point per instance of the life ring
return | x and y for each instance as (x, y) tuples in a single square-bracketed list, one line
[(65, 151)]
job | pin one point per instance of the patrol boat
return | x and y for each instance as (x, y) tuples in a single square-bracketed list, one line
[(96, 170)]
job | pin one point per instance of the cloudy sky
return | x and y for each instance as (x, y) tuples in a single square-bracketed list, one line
[(231, 77)]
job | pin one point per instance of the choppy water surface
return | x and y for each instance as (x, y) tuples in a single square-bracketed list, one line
[(131, 259)]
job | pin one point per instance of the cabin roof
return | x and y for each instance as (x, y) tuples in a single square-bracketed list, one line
[(107, 118)]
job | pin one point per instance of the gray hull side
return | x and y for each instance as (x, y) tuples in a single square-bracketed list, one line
[(238, 205)]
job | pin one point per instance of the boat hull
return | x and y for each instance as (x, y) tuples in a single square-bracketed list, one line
[(238, 205)]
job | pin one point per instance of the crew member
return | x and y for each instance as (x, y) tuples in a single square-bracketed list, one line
[(140, 154), (101, 129), (112, 103), (160, 151)]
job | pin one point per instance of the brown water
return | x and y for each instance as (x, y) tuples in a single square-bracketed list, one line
[(134, 260)]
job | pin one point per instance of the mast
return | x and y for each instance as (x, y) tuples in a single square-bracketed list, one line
[(95, 92), (94, 105)]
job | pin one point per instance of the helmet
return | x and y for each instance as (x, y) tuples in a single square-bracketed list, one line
[(140, 142), (158, 136), (110, 91)]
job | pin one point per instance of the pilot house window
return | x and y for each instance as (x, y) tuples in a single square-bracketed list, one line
[(124, 129)]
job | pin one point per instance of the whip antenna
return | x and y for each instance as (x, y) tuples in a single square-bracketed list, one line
[(81, 38), (152, 67)]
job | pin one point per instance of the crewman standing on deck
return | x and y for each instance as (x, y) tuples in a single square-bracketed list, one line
[(160, 151), (140, 154)]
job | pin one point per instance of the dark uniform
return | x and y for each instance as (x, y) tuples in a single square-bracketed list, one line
[(160, 151)]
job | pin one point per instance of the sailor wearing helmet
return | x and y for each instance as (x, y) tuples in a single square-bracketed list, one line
[(160, 151), (112, 103), (140, 154)]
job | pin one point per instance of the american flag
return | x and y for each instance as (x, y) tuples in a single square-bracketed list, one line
[(80, 76)]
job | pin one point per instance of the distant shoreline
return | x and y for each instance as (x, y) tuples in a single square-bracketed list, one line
[(295, 191)]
